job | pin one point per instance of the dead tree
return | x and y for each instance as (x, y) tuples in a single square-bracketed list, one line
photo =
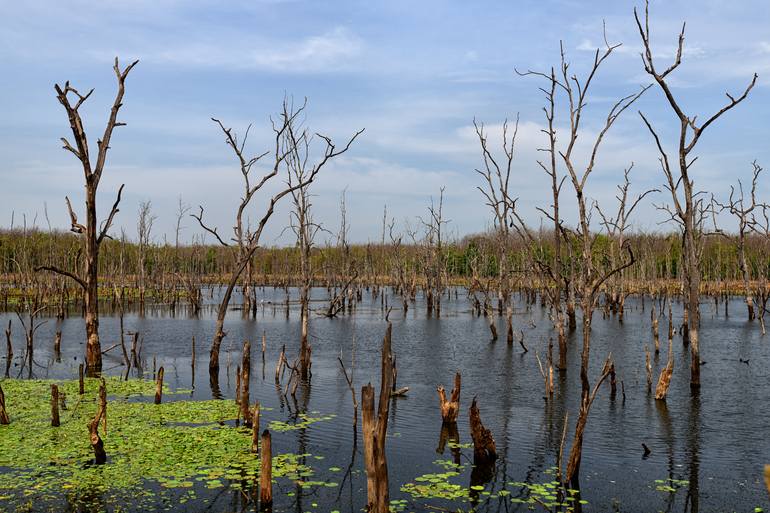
[(143, 231), (687, 207), (616, 227), (94, 232), (450, 408), (296, 145), (496, 173), (245, 240), (375, 429), (592, 273), (742, 209)]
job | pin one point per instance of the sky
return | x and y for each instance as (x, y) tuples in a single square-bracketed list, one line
[(414, 75)]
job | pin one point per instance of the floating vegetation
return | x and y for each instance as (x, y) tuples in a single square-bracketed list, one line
[(670, 485), (304, 420), (155, 452)]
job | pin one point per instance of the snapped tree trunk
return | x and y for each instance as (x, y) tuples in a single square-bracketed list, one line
[(450, 408), (374, 431)]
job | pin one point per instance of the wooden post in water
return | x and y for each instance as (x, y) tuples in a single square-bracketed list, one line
[(4, 420), (245, 378), (57, 343), (374, 432), (54, 405), (81, 385), (159, 386), (451, 408), (266, 473), (255, 429)]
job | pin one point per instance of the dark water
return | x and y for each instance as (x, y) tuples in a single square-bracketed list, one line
[(718, 441)]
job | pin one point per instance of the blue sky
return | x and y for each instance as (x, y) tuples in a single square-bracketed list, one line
[(414, 74)]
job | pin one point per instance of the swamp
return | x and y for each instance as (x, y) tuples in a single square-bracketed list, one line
[(569, 320)]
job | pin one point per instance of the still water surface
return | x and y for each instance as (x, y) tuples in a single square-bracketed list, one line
[(717, 442)]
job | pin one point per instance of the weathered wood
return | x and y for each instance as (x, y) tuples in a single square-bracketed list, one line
[(374, 431), (159, 386), (484, 449), (81, 384), (664, 380), (54, 405), (4, 420), (450, 408), (57, 342), (100, 456), (255, 429), (103, 403), (245, 378), (648, 367), (94, 232), (266, 472)]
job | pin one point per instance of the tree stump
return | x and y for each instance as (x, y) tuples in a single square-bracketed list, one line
[(374, 431), (81, 384), (484, 450), (4, 420), (451, 408), (255, 429), (266, 472), (664, 380), (54, 405), (245, 377), (159, 386), (100, 456)]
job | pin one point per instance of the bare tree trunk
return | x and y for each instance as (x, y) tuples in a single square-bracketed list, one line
[(374, 432)]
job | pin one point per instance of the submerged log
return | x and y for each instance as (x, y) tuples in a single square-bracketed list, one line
[(4, 420), (450, 408), (266, 472), (484, 449), (374, 431)]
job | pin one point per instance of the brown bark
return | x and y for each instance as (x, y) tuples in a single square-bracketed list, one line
[(687, 209), (266, 472), (664, 380), (54, 405), (374, 432), (245, 378), (255, 429), (100, 456), (450, 408), (484, 449), (93, 231), (159, 386), (4, 420)]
